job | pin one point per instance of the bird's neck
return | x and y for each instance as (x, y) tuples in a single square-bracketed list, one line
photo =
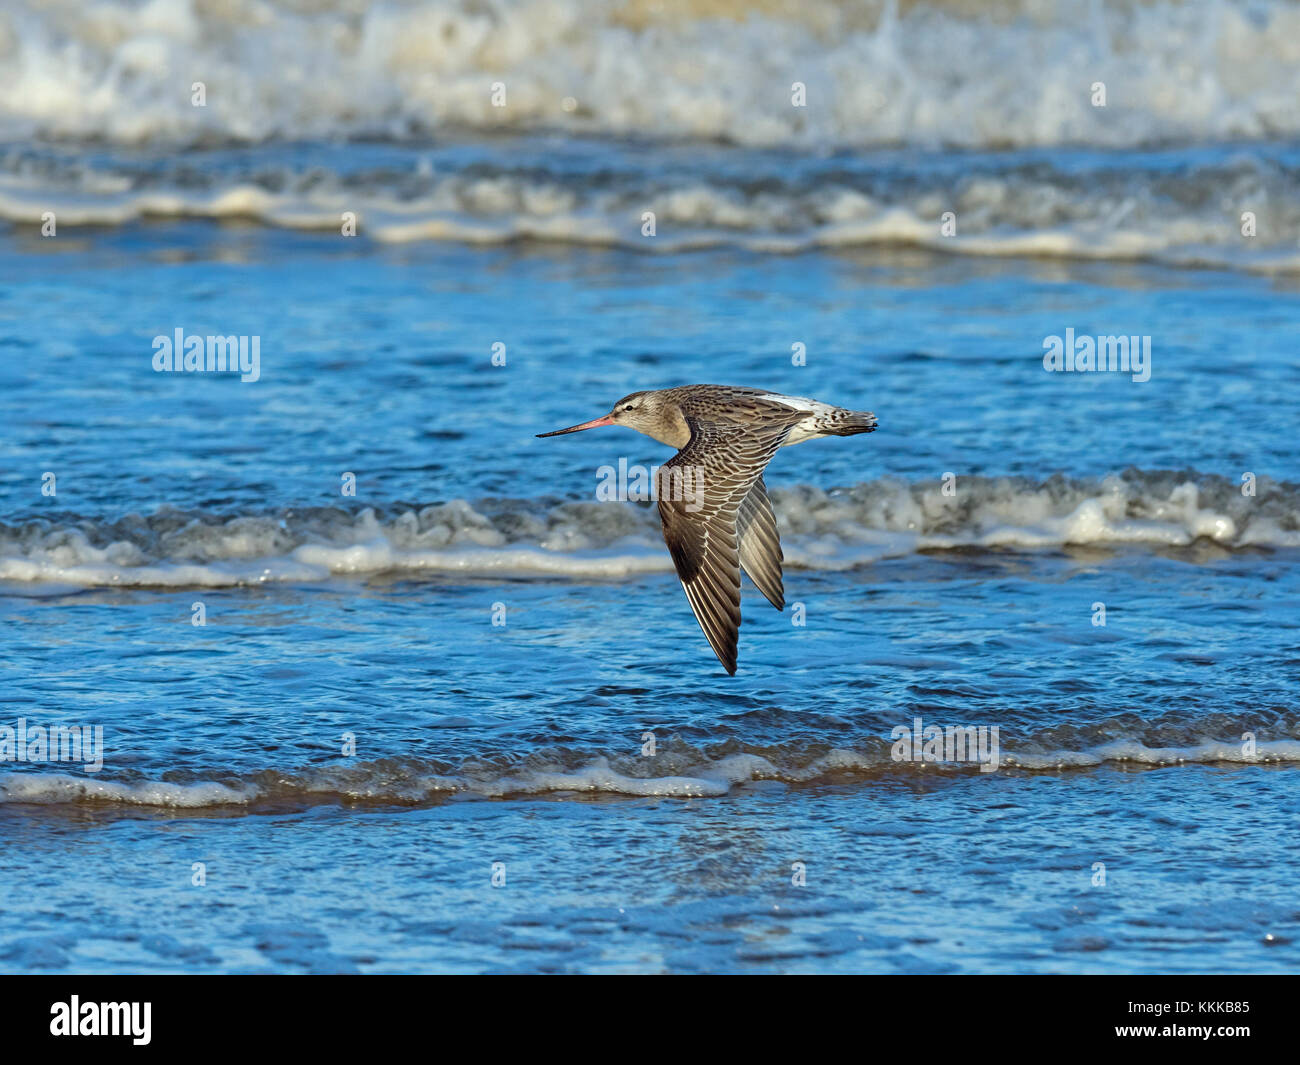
[(671, 429)]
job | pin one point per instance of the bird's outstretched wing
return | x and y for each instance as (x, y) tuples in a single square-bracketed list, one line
[(760, 544), (702, 491)]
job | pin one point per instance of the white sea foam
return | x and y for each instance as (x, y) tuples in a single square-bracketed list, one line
[(988, 74), (1006, 207), (1131, 750), (408, 783), (829, 530), (415, 77), (58, 788)]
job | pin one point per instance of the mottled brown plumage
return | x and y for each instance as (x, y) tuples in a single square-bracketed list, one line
[(712, 502)]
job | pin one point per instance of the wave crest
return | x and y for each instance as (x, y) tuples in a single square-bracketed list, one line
[(837, 529), (941, 73), (678, 770)]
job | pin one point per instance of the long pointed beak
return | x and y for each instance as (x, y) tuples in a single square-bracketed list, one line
[(607, 420)]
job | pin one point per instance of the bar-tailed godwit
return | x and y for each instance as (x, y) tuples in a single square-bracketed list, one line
[(712, 502)]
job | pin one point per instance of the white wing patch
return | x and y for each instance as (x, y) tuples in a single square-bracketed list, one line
[(808, 428), (800, 403)]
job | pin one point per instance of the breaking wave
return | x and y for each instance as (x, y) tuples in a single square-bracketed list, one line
[(829, 530), (678, 769), (384, 113), (1170, 208), (995, 74)]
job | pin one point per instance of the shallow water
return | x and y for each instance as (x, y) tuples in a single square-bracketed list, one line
[(934, 874), (472, 660)]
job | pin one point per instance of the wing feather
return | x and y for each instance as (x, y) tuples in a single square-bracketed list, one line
[(760, 544), (702, 491)]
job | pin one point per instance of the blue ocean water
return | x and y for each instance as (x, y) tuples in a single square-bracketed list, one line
[(382, 686)]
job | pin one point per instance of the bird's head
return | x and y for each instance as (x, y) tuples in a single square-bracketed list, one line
[(646, 412)]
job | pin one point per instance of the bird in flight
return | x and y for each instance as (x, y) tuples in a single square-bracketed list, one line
[(712, 502)]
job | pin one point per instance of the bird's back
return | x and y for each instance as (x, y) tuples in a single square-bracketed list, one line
[(757, 407), (731, 402)]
